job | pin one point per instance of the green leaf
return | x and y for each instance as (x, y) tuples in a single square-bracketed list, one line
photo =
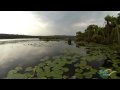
[(78, 70), (76, 65), (29, 69), (18, 68), (114, 76), (42, 78), (64, 77), (65, 69), (69, 62), (79, 76), (87, 75)]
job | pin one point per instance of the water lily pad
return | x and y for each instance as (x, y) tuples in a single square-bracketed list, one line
[(61, 63), (57, 76), (118, 69), (92, 58), (87, 75), (69, 62), (74, 60), (29, 69), (56, 57), (78, 70), (18, 68), (41, 65), (65, 69), (82, 64), (48, 62), (114, 76), (47, 69), (65, 77), (40, 74), (39, 70), (12, 72), (76, 65), (84, 58), (57, 68), (115, 65), (42, 78), (93, 71), (26, 75), (76, 56), (79, 76), (15, 76), (51, 64)]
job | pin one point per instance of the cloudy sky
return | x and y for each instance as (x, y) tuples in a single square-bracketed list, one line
[(50, 22)]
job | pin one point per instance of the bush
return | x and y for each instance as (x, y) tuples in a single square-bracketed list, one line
[(116, 48)]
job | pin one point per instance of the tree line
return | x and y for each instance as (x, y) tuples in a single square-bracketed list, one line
[(56, 37), (13, 36), (108, 34)]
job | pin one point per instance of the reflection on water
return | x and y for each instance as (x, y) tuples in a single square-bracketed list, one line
[(28, 52)]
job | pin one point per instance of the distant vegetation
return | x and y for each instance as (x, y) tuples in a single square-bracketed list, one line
[(56, 38), (13, 36), (46, 38), (108, 34)]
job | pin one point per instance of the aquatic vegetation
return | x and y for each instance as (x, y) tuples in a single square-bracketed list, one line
[(78, 76), (18, 68), (87, 75), (65, 69), (80, 51), (69, 62), (78, 70), (59, 67), (76, 65), (29, 69), (82, 64)]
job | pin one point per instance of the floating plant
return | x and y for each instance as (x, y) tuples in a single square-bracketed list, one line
[(65, 77), (87, 75), (18, 68), (78, 76), (29, 69), (65, 69), (76, 65), (56, 68), (78, 70)]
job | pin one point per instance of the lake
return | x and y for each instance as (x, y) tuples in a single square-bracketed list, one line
[(30, 52)]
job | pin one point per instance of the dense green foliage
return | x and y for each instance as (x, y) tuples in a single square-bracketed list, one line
[(13, 36), (108, 34), (55, 38)]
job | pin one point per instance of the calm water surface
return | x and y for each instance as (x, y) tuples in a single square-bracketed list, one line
[(28, 52)]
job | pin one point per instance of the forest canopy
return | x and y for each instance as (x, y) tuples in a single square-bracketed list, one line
[(108, 34)]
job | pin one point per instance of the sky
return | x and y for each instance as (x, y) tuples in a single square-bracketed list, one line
[(50, 22)]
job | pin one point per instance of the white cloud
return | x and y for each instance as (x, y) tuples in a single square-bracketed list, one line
[(50, 22)]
